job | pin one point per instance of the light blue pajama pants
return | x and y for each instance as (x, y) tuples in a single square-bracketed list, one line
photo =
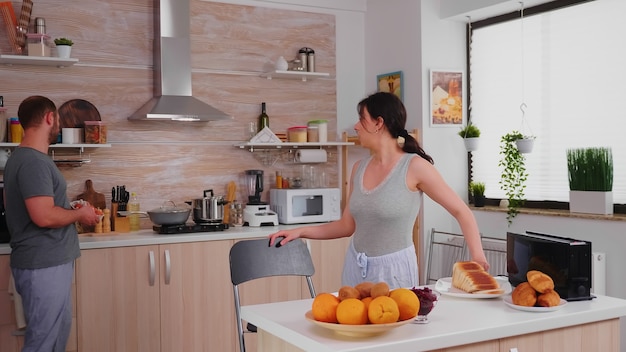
[(46, 298), (398, 269)]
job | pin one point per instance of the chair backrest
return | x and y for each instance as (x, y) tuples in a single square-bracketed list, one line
[(445, 249), (495, 251), (256, 259)]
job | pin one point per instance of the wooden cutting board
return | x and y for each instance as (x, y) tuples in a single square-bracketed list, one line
[(94, 198)]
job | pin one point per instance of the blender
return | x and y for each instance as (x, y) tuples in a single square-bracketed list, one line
[(257, 213)]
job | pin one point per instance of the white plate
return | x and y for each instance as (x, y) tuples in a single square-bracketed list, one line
[(444, 286), (509, 302)]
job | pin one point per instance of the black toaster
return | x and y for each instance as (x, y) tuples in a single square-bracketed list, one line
[(567, 261)]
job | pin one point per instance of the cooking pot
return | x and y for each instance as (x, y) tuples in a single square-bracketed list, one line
[(209, 209), (169, 214)]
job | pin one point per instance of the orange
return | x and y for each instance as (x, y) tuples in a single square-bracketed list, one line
[(408, 302), (324, 307), (351, 311), (367, 301), (383, 310)]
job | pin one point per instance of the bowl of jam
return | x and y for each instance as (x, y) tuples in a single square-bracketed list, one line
[(428, 298)]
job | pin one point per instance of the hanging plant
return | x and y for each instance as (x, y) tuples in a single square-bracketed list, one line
[(470, 135), (514, 175)]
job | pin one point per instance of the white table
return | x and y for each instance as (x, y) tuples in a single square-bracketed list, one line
[(454, 322)]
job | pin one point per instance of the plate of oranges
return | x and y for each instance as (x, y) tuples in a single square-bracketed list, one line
[(367, 309)]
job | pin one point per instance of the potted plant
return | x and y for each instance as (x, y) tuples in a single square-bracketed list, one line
[(590, 173), (470, 134), (514, 174), (477, 190), (64, 47)]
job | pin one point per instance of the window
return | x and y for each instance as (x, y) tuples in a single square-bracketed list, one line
[(567, 66)]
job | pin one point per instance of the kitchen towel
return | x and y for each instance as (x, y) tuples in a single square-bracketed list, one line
[(20, 320), (311, 156)]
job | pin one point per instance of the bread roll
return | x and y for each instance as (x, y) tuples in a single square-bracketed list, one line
[(549, 298), (472, 278), (539, 281), (524, 295)]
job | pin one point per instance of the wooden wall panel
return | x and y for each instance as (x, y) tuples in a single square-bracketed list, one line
[(231, 46)]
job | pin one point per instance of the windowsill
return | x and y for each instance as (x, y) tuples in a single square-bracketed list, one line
[(554, 212)]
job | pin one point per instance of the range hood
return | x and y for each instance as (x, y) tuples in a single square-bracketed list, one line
[(172, 69)]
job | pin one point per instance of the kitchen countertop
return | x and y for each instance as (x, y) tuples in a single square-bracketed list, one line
[(453, 322), (148, 237)]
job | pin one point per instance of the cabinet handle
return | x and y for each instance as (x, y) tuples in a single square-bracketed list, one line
[(152, 268), (168, 267)]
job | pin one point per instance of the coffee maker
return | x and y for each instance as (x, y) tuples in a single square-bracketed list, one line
[(256, 212)]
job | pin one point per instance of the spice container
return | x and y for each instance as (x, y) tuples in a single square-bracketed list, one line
[(95, 132), (297, 134)]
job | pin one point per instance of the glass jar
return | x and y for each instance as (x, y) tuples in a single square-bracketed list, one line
[(95, 132)]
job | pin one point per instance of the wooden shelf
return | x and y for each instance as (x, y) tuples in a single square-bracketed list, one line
[(36, 60), (290, 145), (302, 75), (81, 146)]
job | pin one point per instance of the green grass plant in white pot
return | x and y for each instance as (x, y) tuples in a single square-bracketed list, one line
[(590, 174), (470, 135), (64, 47)]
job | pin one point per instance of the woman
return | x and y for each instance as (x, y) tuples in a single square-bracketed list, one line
[(385, 198)]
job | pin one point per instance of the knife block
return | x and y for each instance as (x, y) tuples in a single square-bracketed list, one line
[(119, 224)]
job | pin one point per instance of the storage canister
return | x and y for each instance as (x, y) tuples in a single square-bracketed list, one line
[(15, 130), (312, 134), (95, 132), (297, 134), (322, 129)]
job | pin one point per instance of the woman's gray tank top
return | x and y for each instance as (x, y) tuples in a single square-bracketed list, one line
[(385, 215)]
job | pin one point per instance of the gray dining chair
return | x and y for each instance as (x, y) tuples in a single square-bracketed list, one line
[(256, 259)]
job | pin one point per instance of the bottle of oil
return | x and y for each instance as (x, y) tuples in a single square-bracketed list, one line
[(133, 205)]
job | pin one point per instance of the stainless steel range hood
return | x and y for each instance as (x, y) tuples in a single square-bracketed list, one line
[(172, 69)]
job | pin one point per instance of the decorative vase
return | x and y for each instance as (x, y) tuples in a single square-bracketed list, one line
[(591, 202), (64, 51), (525, 145), (471, 144), (281, 64)]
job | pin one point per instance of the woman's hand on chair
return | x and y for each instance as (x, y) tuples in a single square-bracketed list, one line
[(288, 235)]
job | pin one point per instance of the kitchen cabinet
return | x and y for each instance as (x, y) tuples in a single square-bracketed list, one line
[(36, 60), (174, 297), (13, 340)]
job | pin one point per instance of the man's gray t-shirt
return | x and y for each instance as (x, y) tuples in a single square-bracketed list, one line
[(29, 173)]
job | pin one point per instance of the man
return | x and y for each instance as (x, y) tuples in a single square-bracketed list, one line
[(44, 240)]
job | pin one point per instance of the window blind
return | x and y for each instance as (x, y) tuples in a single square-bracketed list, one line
[(567, 66)]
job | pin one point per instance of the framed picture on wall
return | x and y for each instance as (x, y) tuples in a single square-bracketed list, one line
[(391, 82), (446, 98)]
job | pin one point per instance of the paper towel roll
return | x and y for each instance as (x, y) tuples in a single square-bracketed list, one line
[(311, 156)]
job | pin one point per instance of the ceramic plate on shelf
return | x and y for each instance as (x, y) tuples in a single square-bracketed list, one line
[(509, 302), (444, 286), (357, 330)]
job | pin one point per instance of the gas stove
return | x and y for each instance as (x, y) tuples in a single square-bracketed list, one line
[(189, 228)]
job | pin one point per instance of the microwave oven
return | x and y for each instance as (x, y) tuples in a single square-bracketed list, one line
[(306, 205), (567, 261)]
